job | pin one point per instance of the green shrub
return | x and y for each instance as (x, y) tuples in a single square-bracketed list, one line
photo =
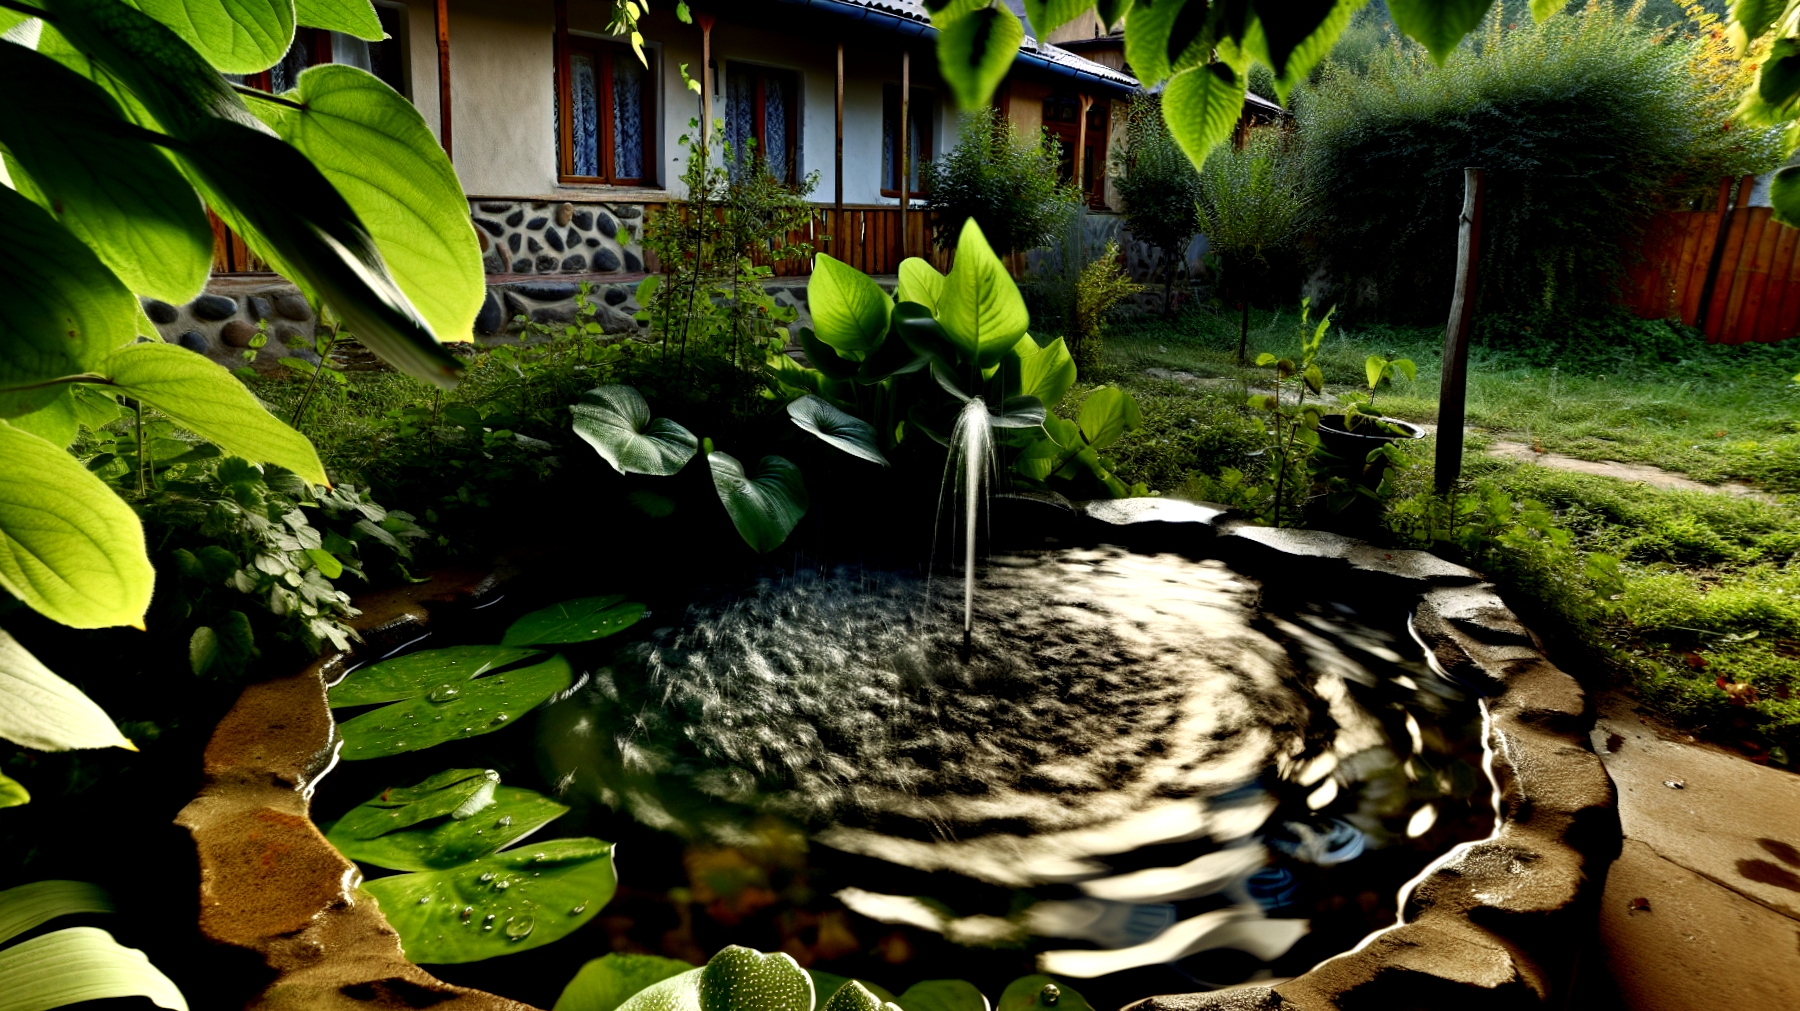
[(1255, 201), (1006, 182), (1158, 186), (1586, 124)]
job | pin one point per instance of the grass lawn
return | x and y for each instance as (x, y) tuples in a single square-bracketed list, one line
[(1701, 614)]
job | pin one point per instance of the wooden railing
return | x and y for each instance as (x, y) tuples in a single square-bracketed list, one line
[(1732, 271)]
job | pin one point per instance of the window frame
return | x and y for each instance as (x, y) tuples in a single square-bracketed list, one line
[(761, 101), (1097, 137), (924, 154), (604, 53)]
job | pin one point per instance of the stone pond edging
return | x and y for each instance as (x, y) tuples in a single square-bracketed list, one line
[(1494, 923)]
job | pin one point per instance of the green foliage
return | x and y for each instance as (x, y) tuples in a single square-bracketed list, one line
[(432, 831), (616, 421), (45, 712), (454, 712), (1005, 182), (1587, 124), (73, 964), (1255, 202), (610, 980), (764, 508), (581, 620), (1103, 284), (403, 677), (1292, 424)]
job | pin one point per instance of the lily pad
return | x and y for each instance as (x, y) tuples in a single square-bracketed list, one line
[(458, 793), (616, 421), (610, 980), (764, 508), (1041, 993), (417, 673), (583, 619), (501, 904), (839, 428), (514, 814), (454, 712)]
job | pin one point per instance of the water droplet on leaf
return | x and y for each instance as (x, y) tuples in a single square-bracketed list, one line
[(517, 929), (1050, 994), (443, 693)]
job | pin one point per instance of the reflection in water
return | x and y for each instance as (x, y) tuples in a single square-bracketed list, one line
[(1157, 755)]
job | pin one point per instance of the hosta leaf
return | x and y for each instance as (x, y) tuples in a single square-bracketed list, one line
[(13, 792), (208, 401), (498, 905), (1202, 106), (61, 310), (450, 842), (765, 508), (845, 431), (1107, 414), (975, 50), (236, 36), (417, 673), (609, 981), (919, 282), (119, 195), (373, 145), (823, 357), (615, 420), (1027, 994), (981, 310), (456, 793), (69, 548), (40, 710), (943, 995), (1438, 25), (581, 620), (1047, 374), (477, 707), (78, 964), (31, 905), (352, 17), (849, 310)]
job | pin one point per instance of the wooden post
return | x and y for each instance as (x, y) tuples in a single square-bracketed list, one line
[(706, 78), (837, 174), (1453, 388), (443, 40), (1087, 102), (905, 142)]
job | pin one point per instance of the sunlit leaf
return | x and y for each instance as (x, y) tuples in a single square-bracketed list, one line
[(352, 17), (976, 50), (462, 711), (1438, 25), (581, 620), (54, 422), (69, 548), (919, 282), (236, 36), (501, 904), (845, 431), (79, 964), (13, 793), (849, 310), (1107, 414), (450, 842), (981, 310), (1202, 106), (609, 981), (616, 421), (417, 673), (28, 906), (1048, 373), (1293, 40), (455, 793), (764, 508)]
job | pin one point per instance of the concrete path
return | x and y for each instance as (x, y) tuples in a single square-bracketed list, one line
[(1641, 473), (1702, 908)]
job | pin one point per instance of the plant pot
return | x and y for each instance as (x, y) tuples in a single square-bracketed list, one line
[(1355, 446)]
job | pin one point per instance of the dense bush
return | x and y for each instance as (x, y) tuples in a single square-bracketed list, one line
[(1006, 182), (1255, 201), (1158, 186), (1586, 125)]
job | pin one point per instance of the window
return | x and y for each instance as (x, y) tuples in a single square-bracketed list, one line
[(313, 46), (763, 106), (604, 98), (918, 138), (1062, 120)]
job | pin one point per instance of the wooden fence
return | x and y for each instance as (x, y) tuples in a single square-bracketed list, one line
[(1731, 271)]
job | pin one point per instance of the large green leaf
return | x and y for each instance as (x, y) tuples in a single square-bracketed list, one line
[(610, 980), (236, 36), (975, 50), (478, 707), (40, 710), (735, 979), (77, 964), (1784, 195), (765, 508), (69, 548), (208, 401), (1041, 993), (1296, 39), (13, 792), (823, 357), (1438, 25), (845, 431), (61, 310), (454, 793), (920, 282), (1202, 107), (417, 673), (501, 904), (615, 420), (583, 619), (1047, 374), (450, 842), (277, 201), (1107, 414), (55, 422), (943, 995), (1159, 36), (118, 194), (1749, 18), (31, 905), (849, 310), (1047, 16), (981, 310), (376, 149), (352, 17)]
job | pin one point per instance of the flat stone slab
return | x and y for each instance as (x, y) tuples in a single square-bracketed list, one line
[(1697, 945), (1729, 820)]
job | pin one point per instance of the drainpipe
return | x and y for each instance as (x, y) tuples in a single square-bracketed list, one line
[(837, 222), (706, 78)]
